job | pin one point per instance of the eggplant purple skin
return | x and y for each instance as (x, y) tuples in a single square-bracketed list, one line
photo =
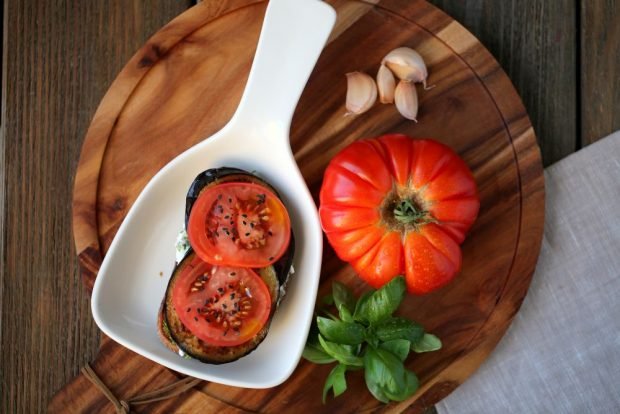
[(230, 174)]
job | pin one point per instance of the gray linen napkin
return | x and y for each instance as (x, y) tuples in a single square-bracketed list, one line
[(562, 351)]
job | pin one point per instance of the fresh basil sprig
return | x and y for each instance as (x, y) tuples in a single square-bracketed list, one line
[(367, 336)]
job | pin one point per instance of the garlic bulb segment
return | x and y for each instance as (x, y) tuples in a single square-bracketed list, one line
[(386, 84), (361, 93), (406, 100), (407, 64)]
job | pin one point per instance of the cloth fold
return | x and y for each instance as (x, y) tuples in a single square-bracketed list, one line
[(562, 351)]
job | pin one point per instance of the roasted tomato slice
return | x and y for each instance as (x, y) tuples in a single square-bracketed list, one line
[(223, 306), (239, 224)]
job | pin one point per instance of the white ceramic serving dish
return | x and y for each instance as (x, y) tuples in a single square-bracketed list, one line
[(128, 289)]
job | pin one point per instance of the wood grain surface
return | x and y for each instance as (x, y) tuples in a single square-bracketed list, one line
[(529, 39), (600, 69), (473, 108), (60, 57)]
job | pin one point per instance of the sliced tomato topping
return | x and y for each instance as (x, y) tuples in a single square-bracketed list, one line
[(223, 306), (239, 224)]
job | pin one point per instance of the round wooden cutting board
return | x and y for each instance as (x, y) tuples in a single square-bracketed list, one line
[(184, 85)]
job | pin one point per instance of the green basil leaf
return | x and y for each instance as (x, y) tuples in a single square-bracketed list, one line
[(375, 389), (373, 341), (347, 333), (342, 353), (427, 343), (411, 386), (343, 297), (316, 354), (328, 299), (361, 304), (344, 313), (335, 380), (381, 303), (385, 369), (398, 347), (399, 328)]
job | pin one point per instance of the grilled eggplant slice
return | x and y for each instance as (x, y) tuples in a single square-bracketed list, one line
[(177, 337), (181, 340)]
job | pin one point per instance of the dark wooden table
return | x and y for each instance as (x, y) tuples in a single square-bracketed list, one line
[(58, 58)]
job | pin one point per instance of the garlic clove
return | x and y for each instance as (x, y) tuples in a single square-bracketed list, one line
[(361, 93), (407, 64), (386, 84), (406, 99)]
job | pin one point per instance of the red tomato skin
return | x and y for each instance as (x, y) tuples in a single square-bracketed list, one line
[(225, 252), (355, 185), (187, 302)]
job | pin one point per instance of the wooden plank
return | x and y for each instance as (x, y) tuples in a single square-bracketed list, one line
[(535, 43), (600, 66), (59, 59)]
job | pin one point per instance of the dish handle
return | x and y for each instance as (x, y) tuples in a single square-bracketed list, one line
[(293, 35)]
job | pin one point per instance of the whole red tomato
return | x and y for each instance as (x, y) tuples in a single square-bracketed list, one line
[(395, 205)]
